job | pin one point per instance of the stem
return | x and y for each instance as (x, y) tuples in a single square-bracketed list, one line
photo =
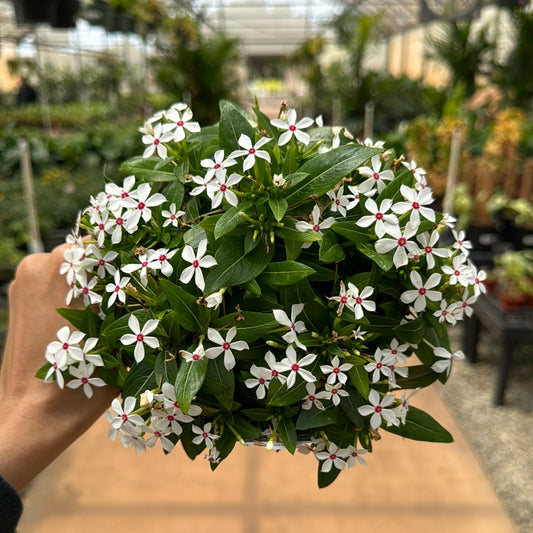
[(270, 443), (235, 432)]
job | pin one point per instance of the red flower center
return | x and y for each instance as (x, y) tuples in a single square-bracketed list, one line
[(379, 216), (196, 263), (292, 127), (179, 123), (223, 187), (251, 151), (422, 291), (428, 249), (295, 367), (156, 141), (140, 337), (226, 346), (416, 205), (402, 241), (375, 176), (316, 228), (358, 300), (141, 205)]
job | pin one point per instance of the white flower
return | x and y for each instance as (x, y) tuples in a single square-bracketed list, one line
[(334, 393), (343, 298), (219, 189), (292, 128), (401, 242), (397, 351), (278, 180), (180, 123), (116, 289), (445, 365), (85, 289), (155, 142), (295, 367), (160, 432), (294, 326), (67, 344), (204, 437), (401, 410), (73, 263), (58, 362), (479, 278), (251, 151), (203, 182), (418, 173), (332, 457), (142, 265), (159, 259), (335, 371), (459, 272), (415, 202), (124, 414), (117, 194), (422, 291), (171, 405), (214, 300), (198, 261), (140, 337), (464, 306), (225, 346), (140, 206), (340, 201), (384, 221), (218, 165), (270, 360), (460, 243), (358, 302), (114, 226), (380, 365), (447, 313), (354, 456), (376, 177), (103, 263), (261, 380), (355, 195), (379, 410), (83, 374), (313, 397), (172, 216), (131, 436), (196, 355), (358, 334), (85, 353), (427, 243), (316, 226)]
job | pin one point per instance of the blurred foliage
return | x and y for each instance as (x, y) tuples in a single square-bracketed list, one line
[(466, 53), (68, 167), (194, 65), (515, 75)]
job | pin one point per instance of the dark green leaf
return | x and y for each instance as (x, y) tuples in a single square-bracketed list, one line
[(234, 267), (412, 331), (254, 325), (287, 431), (350, 231), (140, 378), (326, 170), (144, 169), (359, 379), (191, 316), (384, 261), (278, 207), (285, 273), (245, 429), (420, 426), (419, 376), (316, 418), (231, 126), (330, 251), (190, 378), (349, 405), (224, 380), (229, 220), (326, 478), (166, 369)]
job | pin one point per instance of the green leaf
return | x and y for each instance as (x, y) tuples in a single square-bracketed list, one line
[(85, 320), (143, 169), (326, 170), (281, 396), (245, 429), (278, 207), (330, 251), (420, 426), (287, 431), (192, 317), (234, 267), (166, 369), (359, 379), (225, 444), (231, 126), (326, 478), (189, 380), (293, 249), (289, 232), (316, 418), (140, 378), (384, 261), (419, 376), (285, 273), (252, 327), (41, 373), (412, 331), (290, 161), (349, 405), (230, 220), (224, 379), (350, 231)]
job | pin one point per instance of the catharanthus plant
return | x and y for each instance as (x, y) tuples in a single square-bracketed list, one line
[(263, 280)]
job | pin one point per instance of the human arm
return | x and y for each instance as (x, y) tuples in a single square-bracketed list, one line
[(38, 420)]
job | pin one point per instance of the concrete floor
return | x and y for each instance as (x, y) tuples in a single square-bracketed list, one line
[(408, 486)]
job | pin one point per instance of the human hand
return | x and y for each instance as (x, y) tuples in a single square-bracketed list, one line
[(38, 420)]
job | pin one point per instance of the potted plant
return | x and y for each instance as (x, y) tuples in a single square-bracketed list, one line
[(263, 281), (515, 274)]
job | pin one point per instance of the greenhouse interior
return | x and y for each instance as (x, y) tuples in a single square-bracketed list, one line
[(124, 126)]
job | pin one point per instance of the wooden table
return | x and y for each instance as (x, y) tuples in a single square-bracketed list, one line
[(511, 328)]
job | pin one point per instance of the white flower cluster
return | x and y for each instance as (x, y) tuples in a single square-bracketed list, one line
[(100, 276)]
